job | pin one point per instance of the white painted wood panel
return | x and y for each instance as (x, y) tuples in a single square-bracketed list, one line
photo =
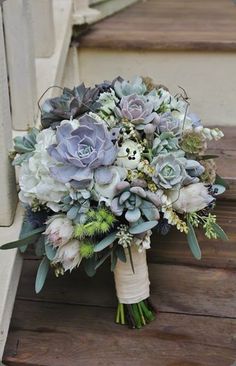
[(43, 27), (7, 176), (20, 60)]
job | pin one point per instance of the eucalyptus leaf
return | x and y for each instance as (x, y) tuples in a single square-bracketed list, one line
[(104, 243), (193, 242), (89, 266), (26, 239), (102, 260), (40, 246), (113, 260), (221, 181), (41, 274), (207, 157), (120, 252), (26, 228), (50, 251), (219, 232), (144, 226), (218, 189)]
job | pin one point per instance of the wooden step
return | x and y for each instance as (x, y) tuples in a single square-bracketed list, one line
[(71, 322), (191, 25)]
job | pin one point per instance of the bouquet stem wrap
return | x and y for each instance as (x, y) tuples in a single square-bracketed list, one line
[(132, 287)]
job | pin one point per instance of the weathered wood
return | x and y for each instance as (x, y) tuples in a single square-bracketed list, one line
[(168, 25), (21, 65), (56, 334), (43, 27), (7, 177), (182, 289), (10, 268)]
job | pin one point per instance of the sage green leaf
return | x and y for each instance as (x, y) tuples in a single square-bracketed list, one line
[(50, 251), (220, 232), (113, 260), (108, 240), (144, 226), (26, 239), (40, 246), (221, 181), (41, 274), (193, 242), (120, 252), (89, 266), (102, 260), (26, 228)]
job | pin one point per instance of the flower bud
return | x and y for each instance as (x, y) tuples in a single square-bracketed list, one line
[(59, 230)]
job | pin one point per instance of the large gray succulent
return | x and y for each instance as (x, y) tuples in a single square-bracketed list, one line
[(134, 202), (172, 172), (79, 152), (124, 87), (137, 110)]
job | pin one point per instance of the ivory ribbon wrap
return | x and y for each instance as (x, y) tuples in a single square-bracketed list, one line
[(132, 288)]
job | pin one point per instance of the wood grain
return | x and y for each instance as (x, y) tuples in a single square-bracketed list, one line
[(57, 334), (180, 289), (207, 25)]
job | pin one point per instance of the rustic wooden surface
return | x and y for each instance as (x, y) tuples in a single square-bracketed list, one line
[(71, 321), (207, 25)]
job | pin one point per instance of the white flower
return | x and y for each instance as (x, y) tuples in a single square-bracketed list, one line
[(191, 198), (59, 230), (129, 155), (109, 190), (69, 255), (35, 180)]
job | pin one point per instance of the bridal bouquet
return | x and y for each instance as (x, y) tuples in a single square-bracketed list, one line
[(107, 166)]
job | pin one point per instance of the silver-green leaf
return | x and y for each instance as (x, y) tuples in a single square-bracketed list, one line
[(144, 226), (105, 242), (41, 274), (193, 242)]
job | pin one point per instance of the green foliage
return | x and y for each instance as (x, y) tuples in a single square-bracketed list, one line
[(144, 226), (41, 274), (211, 228), (104, 243), (193, 242), (26, 239)]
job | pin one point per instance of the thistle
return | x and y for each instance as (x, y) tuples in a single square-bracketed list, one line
[(86, 249)]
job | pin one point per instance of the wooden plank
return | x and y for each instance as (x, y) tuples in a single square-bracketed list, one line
[(55, 334), (43, 27), (168, 25), (181, 289), (10, 268), (49, 71), (21, 65), (7, 177)]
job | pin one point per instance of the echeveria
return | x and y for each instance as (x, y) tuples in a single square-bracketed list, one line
[(168, 123), (133, 202), (79, 152), (124, 87), (169, 171), (137, 110), (72, 103)]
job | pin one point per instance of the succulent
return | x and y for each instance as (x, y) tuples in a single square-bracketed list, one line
[(137, 110), (71, 104), (25, 146), (169, 171), (166, 142), (81, 151), (125, 88), (193, 143), (133, 202), (76, 205), (168, 123)]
